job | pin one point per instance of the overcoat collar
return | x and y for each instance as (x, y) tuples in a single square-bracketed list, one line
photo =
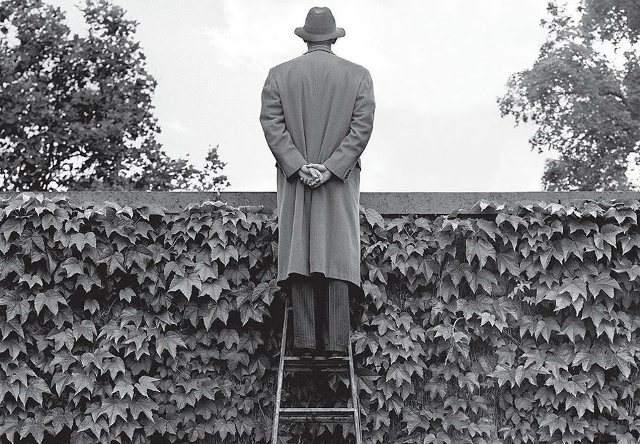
[(319, 48)]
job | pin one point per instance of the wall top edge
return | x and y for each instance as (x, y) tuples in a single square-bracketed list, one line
[(427, 203)]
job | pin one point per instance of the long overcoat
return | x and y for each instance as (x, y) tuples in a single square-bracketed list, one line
[(318, 108)]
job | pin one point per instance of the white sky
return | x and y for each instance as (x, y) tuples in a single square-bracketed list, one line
[(437, 67)]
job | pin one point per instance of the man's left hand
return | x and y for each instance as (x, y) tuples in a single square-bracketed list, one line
[(326, 174)]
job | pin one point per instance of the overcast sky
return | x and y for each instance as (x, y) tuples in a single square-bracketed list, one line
[(437, 66)]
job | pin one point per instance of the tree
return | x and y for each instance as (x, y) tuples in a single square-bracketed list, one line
[(583, 93), (76, 111)]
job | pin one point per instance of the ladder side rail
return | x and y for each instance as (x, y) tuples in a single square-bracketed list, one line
[(354, 397), (283, 343)]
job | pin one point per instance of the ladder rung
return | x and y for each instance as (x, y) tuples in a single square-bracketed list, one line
[(317, 414), (298, 364), (344, 359)]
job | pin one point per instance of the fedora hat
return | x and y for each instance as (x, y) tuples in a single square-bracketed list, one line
[(319, 25)]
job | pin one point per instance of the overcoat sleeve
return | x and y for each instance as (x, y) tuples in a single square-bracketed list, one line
[(344, 158), (278, 138)]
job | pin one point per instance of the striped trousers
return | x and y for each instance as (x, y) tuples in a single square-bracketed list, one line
[(320, 314)]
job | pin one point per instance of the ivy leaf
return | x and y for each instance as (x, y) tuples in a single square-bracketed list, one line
[(546, 328), (572, 328), (607, 400), (621, 359), (603, 283), (575, 287), (86, 329), (234, 358), (216, 310), (169, 341), (51, 299), (31, 280), (214, 289), (17, 308), (9, 326), (206, 271), (265, 291), (114, 366), (607, 235), (596, 312), (185, 284), (554, 422), (480, 248), (608, 328), (629, 241), (569, 246), (237, 274), (146, 383), (413, 421), (224, 253), (626, 438), (123, 389), (59, 418), (250, 341), (34, 390), (244, 425), (373, 218), (145, 405), (373, 291), (587, 358), (508, 261), (72, 266), (584, 225), (224, 428), (562, 300), (114, 408), (11, 226), (229, 337), (483, 278), (159, 253), (254, 311), (33, 427), (581, 403), (80, 240), (91, 305), (63, 338), (398, 374), (126, 294), (65, 359)]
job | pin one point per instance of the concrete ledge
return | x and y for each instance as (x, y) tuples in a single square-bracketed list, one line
[(384, 203)]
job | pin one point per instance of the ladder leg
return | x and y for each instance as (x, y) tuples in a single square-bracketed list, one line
[(354, 397), (283, 342)]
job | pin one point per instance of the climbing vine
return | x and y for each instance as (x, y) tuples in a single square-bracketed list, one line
[(514, 324)]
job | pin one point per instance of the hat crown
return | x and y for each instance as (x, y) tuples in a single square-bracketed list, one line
[(320, 20), (319, 26)]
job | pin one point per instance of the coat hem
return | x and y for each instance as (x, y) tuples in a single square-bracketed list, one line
[(346, 278)]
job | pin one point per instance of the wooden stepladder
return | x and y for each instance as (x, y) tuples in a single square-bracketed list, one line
[(314, 414)]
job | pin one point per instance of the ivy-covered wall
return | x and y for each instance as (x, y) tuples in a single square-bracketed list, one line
[(516, 325)]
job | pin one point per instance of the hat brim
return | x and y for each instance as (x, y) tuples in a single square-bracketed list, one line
[(306, 36)]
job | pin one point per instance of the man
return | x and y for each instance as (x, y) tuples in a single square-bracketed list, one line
[(317, 116)]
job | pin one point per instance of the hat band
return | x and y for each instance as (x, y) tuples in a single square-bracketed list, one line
[(312, 30)]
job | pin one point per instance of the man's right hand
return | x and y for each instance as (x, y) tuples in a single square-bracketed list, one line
[(309, 176)]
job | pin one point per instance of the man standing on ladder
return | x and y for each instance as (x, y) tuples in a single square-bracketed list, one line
[(317, 116)]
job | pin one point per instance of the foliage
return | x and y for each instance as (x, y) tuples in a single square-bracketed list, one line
[(76, 110), (512, 324), (616, 20), (583, 94)]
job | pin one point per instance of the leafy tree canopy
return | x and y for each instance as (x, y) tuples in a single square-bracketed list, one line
[(583, 93), (77, 111)]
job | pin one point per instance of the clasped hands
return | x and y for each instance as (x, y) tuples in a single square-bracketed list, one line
[(314, 174)]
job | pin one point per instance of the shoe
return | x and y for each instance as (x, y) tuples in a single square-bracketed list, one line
[(335, 354), (305, 353)]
